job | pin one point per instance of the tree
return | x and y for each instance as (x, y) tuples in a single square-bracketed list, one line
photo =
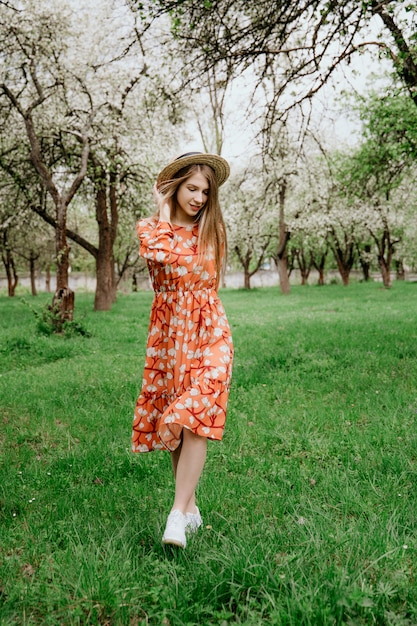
[(95, 78), (324, 219), (388, 146), (280, 160), (405, 255), (301, 257), (250, 222), (280, 254), (310, 230), (135, 202), (309, 245), (32, 79), (342, 243), (371, 175), (209, 108), (365, 254), (295, 47), (301, 42), (386, 237), (30, 242), (23, 236), (7, 257)]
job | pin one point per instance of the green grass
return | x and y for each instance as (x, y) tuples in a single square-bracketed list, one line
[(309, 502)]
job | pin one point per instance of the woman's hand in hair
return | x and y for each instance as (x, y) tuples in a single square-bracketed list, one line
[(162, 204)]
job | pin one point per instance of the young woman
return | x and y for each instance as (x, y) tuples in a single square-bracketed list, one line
[(189, 351)]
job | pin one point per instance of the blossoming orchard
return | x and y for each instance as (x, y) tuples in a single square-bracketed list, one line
[(94, 99)]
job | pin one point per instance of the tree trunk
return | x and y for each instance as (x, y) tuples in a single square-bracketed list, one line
[(48, 278), (104, 271), (319, 267), (385, 273), (305, 273), (63, 300), (32, 259), (62, 308), (245, 263), (365, 265), (284, 279), (399, 270), (114, 277), (12, 277), (246, 278), (282, 253), (344, 258), (104, 295), (303, 265), (114, 224), (344, 272), (319, 264), (385, 267), (385, 253), (62, 248)]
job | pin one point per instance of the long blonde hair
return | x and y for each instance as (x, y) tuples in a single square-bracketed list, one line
[(211, 226)]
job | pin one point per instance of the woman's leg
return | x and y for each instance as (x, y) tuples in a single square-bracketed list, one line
[(188, 465), (175, 456)]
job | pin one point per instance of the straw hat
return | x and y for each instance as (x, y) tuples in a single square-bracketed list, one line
[(217, 163)]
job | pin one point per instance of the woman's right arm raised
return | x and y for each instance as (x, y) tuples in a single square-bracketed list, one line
[(156, 236), (162, 204)]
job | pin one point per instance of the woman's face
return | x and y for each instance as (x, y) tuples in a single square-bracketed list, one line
[(192, 196)]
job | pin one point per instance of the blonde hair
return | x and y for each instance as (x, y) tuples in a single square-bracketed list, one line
[(212, 229)]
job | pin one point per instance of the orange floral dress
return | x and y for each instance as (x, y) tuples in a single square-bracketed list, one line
[(189, 351)]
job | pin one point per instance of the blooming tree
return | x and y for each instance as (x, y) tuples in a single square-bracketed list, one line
[(371, 175), (251, 221), (91, 101)]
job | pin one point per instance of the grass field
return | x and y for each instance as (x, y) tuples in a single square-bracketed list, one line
[(309, 502)]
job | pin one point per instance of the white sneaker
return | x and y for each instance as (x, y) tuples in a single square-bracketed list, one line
[(175, 529), (193, 521)]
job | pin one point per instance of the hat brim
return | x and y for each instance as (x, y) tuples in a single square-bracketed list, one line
[(217, 163)]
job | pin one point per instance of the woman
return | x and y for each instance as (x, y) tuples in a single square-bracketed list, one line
[(189, 351)]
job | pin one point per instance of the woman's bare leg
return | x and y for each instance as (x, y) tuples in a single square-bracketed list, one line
[(188, 464), (175, 455)]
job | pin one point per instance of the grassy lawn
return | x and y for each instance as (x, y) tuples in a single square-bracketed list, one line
[(309, 502)]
